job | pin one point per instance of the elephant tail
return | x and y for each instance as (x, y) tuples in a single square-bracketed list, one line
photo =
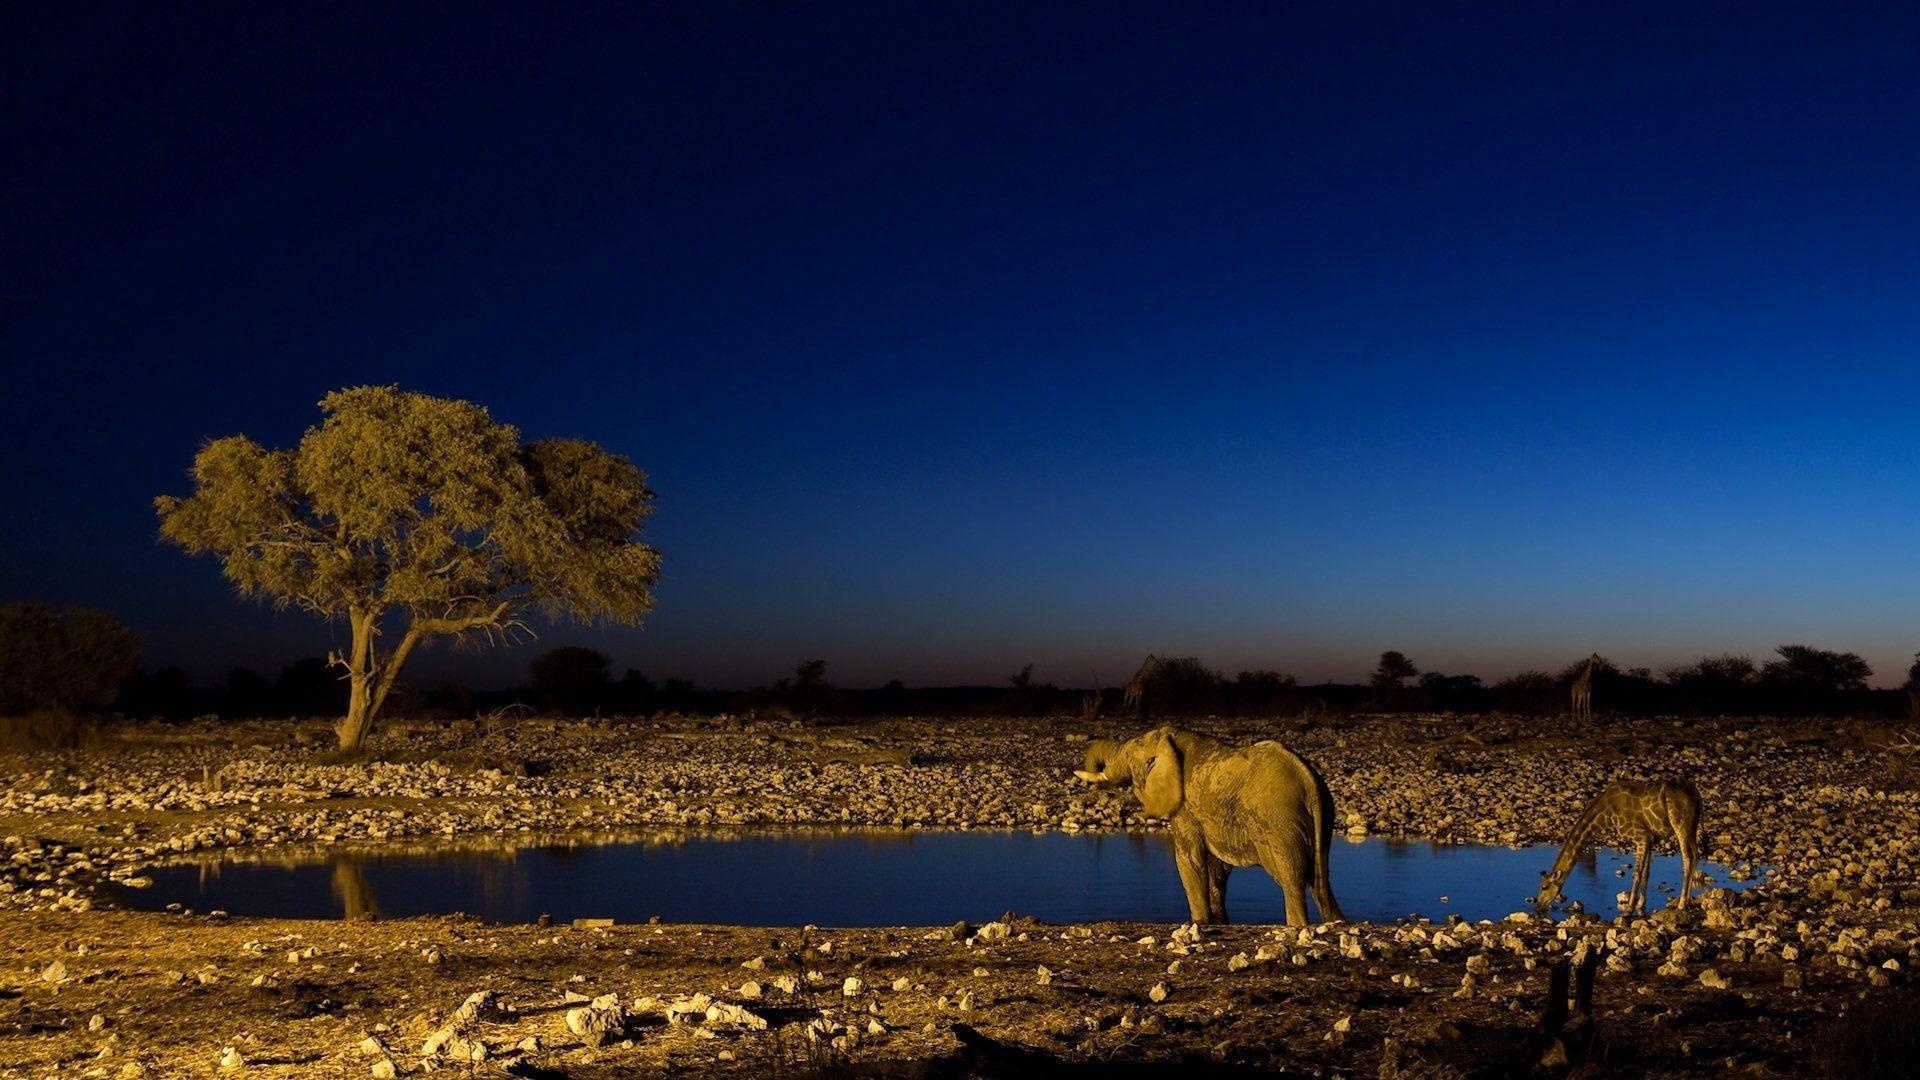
[(1322, 811)]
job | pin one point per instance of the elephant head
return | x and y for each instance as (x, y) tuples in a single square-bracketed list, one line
[(1151, 764)]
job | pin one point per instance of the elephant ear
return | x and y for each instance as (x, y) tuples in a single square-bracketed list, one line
[(1158, 780)]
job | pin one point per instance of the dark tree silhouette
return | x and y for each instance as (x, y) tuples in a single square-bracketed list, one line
[(573, 679), (810, 694), (1026, 697), (1809, 680), (634, 694), (1712, 684), (249, 693), (71, 660), (167, 693), (309, 687), (1454, 693), (1265, 693), (1183, 686), (1529, 693), (1394, 670)]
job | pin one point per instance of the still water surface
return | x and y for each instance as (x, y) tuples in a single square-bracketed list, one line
[(869, 879)]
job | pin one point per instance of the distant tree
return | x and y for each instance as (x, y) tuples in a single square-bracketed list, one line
[(573, 679), (1393, 670), (1823, 668), (1912, 687), (892, 699), (1453, 693), (678, 695), (1265, 693), (809, 693), (310, 687), (451, 700), (72, 660), (1183, 686), (249, 693), (1809, 680), (1529, 693), (422, 508), (1026, 697), (634, 694), (1720, 685), (167, 692)]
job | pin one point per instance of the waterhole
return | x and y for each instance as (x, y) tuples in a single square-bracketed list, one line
[(868, 878)]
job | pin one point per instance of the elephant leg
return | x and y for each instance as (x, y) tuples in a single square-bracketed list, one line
[(1217, 871), (1190, 855), (1323, 899), (1296, 894), (1292, 875)]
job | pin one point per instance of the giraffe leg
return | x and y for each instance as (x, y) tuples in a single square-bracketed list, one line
[(1689, 838), (1642, 867)]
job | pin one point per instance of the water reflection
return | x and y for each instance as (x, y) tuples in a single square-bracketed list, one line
[(850, 878)]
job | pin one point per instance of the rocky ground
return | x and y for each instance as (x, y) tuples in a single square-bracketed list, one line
[(1810, 971)]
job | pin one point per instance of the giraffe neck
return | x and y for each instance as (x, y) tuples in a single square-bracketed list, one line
[(1578, 838)]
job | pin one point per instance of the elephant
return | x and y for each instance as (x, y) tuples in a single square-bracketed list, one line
[(1228, 806)]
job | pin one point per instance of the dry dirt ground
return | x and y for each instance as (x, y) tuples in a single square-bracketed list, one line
[(1808, 973)]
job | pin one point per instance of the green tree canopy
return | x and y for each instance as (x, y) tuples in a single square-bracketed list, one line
[(422, 510)]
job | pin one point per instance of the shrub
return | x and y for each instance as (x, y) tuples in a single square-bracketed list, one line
[(72, 660), (1265, 693), (46, 729), (1530, 693), (1182, 686), (572, 679), (1874, 1038)]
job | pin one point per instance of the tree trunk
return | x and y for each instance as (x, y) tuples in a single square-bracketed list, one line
[(372, 681), (358, 723), (353, 728)]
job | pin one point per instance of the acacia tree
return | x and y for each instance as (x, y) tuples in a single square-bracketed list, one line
[(1912, 687), (401, 508), (1394, 670), (72, 660)]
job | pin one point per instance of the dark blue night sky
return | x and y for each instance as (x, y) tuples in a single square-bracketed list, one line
[(957, 337)]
